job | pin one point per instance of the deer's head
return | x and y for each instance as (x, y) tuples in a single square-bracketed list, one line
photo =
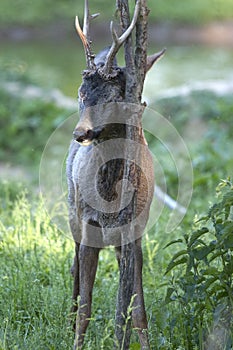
[(103, 81)]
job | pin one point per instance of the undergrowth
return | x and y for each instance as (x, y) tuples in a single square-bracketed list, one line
[(188, 285), (201, 281), (35, 285)]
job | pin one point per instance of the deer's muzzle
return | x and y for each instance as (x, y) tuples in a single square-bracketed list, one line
[(84, 137)]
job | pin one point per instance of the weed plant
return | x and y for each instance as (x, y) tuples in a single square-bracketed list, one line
[(201, 281)]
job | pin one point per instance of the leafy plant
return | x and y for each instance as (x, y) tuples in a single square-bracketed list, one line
[(201, 281)]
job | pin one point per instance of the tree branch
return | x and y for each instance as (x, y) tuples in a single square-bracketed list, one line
[(141, 47)]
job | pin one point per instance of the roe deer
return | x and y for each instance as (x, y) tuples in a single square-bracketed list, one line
[(110, 173)]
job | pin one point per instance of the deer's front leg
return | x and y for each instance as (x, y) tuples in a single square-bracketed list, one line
[(139, 313), (75, 273), (88, 259)]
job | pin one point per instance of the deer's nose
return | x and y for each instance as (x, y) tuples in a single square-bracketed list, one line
[(83, 136)]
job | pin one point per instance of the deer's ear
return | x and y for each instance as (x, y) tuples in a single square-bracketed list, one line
[(154, 58), (101, 57)]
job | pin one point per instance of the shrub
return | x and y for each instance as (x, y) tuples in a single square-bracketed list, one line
[(202, 282)]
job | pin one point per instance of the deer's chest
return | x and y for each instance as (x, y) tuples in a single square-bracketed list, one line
[(97, 179)]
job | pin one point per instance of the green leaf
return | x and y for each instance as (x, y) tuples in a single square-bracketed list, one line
[(211, 271), (227, 234), (197, 234), (201, 253), (228, 228), (172, 264), (210, 281), (203, 218), (168, 295), (228, 199), (173, 242), (214, 210), (178, 254), (228, 243), (222, 295), (223, 207), (216, 255)]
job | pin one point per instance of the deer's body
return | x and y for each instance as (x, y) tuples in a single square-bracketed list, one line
[(92, 228), (101, 158)]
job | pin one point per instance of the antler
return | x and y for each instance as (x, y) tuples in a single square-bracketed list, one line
[(118, 41), (84, 35), (154, 58)]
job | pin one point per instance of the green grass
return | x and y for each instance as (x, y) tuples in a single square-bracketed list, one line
[(42, 11), (36, 285)]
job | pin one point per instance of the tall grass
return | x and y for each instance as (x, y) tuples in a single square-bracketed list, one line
[(35, 283)]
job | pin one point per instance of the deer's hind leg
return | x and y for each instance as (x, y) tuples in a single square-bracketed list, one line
[(139, 313)]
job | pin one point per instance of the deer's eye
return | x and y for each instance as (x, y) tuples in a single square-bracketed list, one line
[(82, 96)]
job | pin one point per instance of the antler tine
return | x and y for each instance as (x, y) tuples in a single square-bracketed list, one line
[(81, 34), (118, 41), (86, 20), (84, 35), (154, 58)]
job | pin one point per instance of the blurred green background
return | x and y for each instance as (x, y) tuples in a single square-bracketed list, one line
[(41, 11), (39, 47)]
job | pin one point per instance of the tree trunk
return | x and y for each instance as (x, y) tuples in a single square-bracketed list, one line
[(135, 74)]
